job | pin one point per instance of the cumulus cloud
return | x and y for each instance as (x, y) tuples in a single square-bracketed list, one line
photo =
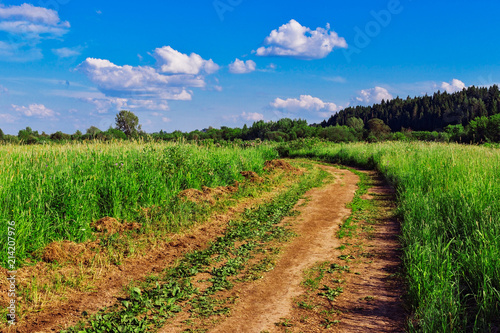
[(372, 96), (67, 52), (454, 86), (252, 116), (35, 110), (32, 22), (174, 62), (27, 25), (242, 67), (142, 81), (145, 87), (294, 40), (305, 103)]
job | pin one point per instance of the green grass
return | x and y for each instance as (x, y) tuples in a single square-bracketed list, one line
[(449, 200), (148, 306), (55, 192)]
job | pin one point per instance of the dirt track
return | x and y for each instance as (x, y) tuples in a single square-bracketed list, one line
[(263, 304)]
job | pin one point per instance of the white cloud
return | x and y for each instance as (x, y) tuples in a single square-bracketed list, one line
[(34, 110), (67, 52), (245, 116), (454, 86), (294, 40), (142, 81), (7, 118), (3, 90), (252, 116), (372, 96), (166, 120), (32, 21), (145, 87), (26, 25), (242, 67), (305, 103), (174, 62)]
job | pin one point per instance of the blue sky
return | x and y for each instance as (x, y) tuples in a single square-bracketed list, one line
[(184, 65)]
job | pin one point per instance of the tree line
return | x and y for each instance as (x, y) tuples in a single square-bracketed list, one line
[(469, 116)]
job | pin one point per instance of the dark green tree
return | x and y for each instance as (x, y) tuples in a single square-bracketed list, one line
[(128, 123), (92, 131)]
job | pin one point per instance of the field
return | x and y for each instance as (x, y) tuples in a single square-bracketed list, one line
[(448, 201), (55, 192)]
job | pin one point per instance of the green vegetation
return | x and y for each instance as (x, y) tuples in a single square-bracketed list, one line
[(54, 193), (449, 199), (148, 306), (426, 113), (469, 116)]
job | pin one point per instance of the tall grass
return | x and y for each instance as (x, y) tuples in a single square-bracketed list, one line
[(55, 192), (449, 199)]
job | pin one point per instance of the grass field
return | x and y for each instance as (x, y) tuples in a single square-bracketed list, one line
[(55, 192), (449, 202)]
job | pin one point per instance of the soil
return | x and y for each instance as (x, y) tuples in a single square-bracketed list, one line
[(251, 176), (265, 302), (279, 164), (109, 225), (373, 301)]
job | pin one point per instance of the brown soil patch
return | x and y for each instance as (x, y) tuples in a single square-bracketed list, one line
[(371, 300), (279, 164), (109, 225), (208, 194), (66, 251), (264, 302), (251, 176)]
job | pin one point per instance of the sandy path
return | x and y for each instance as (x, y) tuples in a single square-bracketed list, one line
[(264, 303)]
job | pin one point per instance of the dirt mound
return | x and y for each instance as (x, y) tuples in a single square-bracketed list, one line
[(208, 194), (67, 251), (251, 176), (279, 164), (109, 225)]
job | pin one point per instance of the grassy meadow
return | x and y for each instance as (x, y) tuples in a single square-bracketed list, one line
[(449, 204), (54, 192)]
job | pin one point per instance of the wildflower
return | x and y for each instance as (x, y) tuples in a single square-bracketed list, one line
[(116, 163)]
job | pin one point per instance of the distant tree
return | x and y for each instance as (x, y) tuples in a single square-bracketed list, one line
[(128, 123), (59, 136), (92, 131), (115, 134), (356, 123), (378, 128), (1, 134)]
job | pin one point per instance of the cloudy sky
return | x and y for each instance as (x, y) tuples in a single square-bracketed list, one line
[(71, 64)]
